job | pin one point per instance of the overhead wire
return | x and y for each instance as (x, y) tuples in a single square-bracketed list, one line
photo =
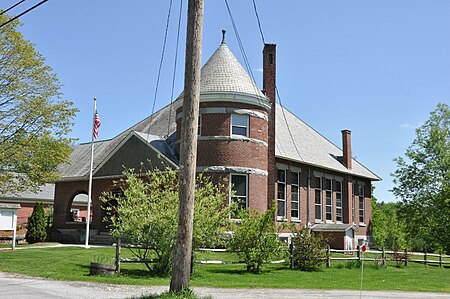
[(241, 47), (174, 67), (276, 87), (259, 23), (23, 13), (159, 69), (11, 7)]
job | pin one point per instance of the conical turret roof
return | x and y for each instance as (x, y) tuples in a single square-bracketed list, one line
[(223, 73)]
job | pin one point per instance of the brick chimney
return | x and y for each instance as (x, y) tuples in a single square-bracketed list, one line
[(347, 148), (269, 89)]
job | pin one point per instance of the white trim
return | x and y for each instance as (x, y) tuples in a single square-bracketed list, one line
[(231, 169), (116, 149), (297, 184), (284, 216), (247, 125), (230, 188), (228, 110), (234, 97)]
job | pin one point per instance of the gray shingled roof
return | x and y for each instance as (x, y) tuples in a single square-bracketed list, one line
[(158, 124), (333, 227), (309, 147), (223, 73)]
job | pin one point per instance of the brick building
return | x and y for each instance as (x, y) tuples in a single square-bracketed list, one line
[(267, 153)]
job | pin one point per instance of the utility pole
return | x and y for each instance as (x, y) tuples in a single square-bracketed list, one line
[(181, 265)]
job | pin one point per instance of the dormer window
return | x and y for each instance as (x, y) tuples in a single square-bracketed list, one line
[(239, 125)]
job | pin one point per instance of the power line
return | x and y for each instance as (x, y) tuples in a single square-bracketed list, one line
[(175, 66), (259, 23), (160, 67), (241, 46), (21, 14), (5, 11)]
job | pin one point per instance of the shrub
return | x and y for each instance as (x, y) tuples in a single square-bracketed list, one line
[(307, 251), (255, 238), (36, 225), (147, 214)]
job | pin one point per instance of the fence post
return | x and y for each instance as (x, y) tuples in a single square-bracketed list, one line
[(328, 257), (192, 261), (291, 256), (118, 255), (425, 258), (383, 257), (358, 253), (406, 257), (440, 259)]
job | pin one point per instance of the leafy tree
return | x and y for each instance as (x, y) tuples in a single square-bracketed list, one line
[(33, 118), (255, 238), (36, 229), (307, 250), (422, 181), (388, 230), (147, 214)]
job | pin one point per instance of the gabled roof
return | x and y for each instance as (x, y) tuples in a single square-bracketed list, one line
[(223, 73), (161, 123), (297, 141)]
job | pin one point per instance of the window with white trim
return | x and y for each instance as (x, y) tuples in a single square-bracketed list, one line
[(328, 200), (353, 201), (338, 192), (239, 124), (318, 198), (281, 194), (295, 196), (239, 183), (361, 203)]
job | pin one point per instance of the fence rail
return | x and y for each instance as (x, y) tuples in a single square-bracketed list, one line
[(400, 257), (387, 255)]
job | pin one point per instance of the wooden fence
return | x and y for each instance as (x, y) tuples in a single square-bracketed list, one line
[(383, 256), (400, 257)]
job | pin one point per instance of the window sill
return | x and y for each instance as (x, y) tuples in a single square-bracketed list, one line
[(296, 220), (362, 224), (281, 219), (318, 221)]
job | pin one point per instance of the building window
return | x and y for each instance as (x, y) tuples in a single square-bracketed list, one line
[(199, 128), (295, 214), (361, 203), (318, 198), (338, 189), (239, 183), (239, 125), (328, 200), (353, 201), (281, 194)]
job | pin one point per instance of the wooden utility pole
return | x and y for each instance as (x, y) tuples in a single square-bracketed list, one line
[(188, 155)]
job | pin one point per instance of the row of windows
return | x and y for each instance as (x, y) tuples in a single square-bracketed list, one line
[(322, 187), (239, 125)]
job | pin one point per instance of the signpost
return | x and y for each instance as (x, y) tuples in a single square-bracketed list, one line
[(363, 249), (8, 219)]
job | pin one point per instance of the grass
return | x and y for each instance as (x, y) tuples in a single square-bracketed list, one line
[(72, 263)]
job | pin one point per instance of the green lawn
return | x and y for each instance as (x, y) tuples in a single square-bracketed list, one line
[(72, 263)]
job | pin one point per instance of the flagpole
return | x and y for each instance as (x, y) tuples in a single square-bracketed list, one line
[(88, 216)]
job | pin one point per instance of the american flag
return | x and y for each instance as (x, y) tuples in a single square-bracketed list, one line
[(97, 124)]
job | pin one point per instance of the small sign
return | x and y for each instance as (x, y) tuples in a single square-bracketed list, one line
[(363, 248)]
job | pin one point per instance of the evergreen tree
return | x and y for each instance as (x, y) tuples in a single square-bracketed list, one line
[(36, 225)]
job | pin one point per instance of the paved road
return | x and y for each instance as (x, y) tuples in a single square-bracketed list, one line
[(18, 286)]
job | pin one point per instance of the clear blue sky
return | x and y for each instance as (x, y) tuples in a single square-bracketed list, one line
[(377, 68)]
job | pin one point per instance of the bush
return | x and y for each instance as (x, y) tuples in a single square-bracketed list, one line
[(147, 214), (36, 225), (255, 239), (307, 251)]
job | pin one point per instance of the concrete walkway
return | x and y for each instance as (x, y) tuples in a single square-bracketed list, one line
[(19, 286)]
